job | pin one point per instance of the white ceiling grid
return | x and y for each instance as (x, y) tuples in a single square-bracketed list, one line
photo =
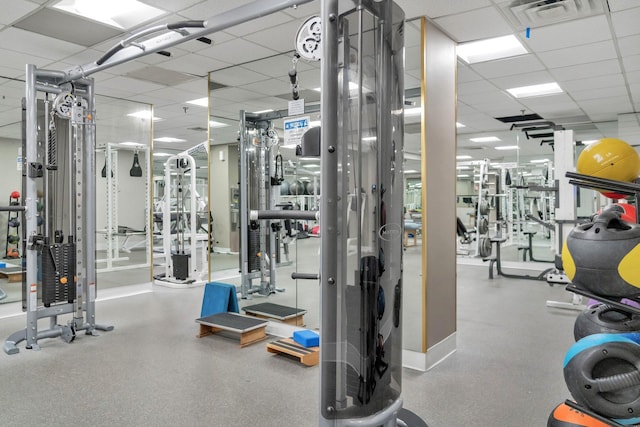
[(595, 60)]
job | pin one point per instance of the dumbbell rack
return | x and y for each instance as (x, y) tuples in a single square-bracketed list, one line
[(13, 216)]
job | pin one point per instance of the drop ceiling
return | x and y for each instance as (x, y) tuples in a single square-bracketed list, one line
[(591, 48)]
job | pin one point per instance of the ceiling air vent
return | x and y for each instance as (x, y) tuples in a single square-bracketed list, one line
[(537, 13)]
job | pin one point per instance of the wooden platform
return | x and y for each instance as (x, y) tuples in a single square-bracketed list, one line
[(249, 329), (307, 356), (12, 273), (266, 310)]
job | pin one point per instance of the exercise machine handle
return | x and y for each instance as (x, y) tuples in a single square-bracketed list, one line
[(304, 276)]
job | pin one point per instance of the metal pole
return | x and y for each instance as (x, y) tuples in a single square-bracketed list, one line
[(328, 207), (31, 191), (89, 209)]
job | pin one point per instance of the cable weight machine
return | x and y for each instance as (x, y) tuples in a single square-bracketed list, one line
[(260, 179), (59, 165)]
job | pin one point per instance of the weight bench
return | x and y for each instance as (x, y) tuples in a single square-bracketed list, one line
[(411, 231)]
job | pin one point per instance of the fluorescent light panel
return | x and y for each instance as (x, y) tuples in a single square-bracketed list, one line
[(539, 161), (215, 124), (490, 49), (460, 125), (122, 14), (535, 90), (202, 102), (485, 139), (507, 147), (144, 114), (169, 139), (463, 157), (161, 155)]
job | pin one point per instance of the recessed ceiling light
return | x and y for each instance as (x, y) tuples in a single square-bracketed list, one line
[(462, 175), (463, 157), (460, 125), (369, 138), (411, 171), (507, 147), (489, 49), (485, 139), (132, 144), (161, 155), (121, 14), (215, 124), (539, 160), (462, 167), (144, 114), (169, 139), (202, 102), (535, 90)]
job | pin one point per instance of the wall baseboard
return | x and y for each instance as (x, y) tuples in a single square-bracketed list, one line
[(434, 355)]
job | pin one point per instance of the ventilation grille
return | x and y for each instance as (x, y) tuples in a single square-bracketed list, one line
[(537, 13)]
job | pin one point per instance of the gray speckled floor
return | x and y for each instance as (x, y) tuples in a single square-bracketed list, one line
[(152, 370)]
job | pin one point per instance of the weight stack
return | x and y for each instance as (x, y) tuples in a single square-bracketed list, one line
[(180, 266), (254, 249), (58, 273)]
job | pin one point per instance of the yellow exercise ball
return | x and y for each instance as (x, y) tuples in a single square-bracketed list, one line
[(610, 158)]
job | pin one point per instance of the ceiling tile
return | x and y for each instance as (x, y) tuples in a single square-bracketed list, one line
[(413, 58), (597, 93), (475, 25), (280, 39), (579, 54), (593, 83), (632, 63), (626, 23), (474, 87), (494, 96), (466, 74), (67, 27), (594, 69), (233, 94), (209, 8), (525, 79), (412, 34), (36, 44), (618, 5), (438, 8), (171, 5), (278, 66), (508, 66), (15, 9), (195, 64), (633, 77), (569, 34), (237, 51), (629, 45), (236, 76), (17, 60), (255, 25), (305, 10), (269, 87), (606, 106)]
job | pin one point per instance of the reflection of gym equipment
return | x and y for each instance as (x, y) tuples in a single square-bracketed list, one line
[(121, 238), (497, 261), (260, 180), (11, 249), (182, 267), (60, 275)]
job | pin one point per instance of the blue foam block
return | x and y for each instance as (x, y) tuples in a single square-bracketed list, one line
[(306, 338), (219, 298), (3, 265)]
